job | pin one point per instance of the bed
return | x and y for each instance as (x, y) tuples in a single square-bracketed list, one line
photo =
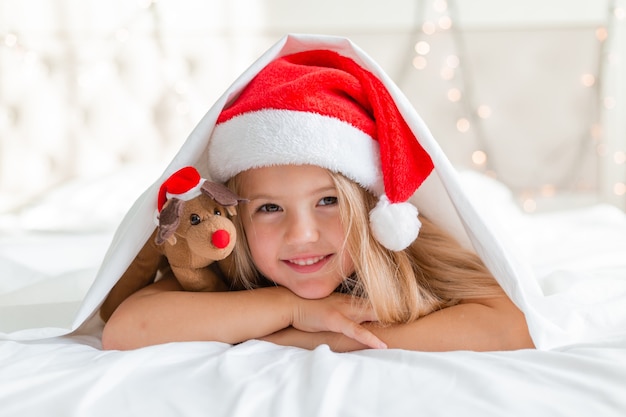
[(59, 255)]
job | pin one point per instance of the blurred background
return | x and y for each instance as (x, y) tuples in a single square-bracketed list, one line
[(529, 92)]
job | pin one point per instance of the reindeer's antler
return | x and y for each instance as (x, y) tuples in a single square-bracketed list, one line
[(221, 194), (169, 219)]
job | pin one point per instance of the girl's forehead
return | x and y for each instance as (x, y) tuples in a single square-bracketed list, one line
[(284, 173), (286, 178)]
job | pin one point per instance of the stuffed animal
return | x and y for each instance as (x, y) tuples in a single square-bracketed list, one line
[(194, 230)]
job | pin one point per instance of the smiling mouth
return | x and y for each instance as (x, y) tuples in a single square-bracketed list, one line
[(307, 261)]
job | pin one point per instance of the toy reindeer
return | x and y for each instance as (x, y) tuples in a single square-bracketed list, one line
[(194, 230)]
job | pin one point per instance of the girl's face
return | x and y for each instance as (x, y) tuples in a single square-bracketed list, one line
[(293, 228)]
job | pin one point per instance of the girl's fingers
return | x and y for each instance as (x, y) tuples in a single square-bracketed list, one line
[(362, 315), (339, 314), (355, 309), (359, 333)]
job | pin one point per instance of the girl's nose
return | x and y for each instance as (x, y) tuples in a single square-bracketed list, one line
[(301, 228)]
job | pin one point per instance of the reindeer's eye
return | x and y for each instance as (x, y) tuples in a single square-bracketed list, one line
[(194, 219), (217, 212)]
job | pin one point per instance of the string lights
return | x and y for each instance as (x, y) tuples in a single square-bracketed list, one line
[(439, 17)]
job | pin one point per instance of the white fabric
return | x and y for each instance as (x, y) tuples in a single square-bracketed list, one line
[(257, 379)]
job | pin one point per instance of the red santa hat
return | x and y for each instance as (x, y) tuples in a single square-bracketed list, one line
[(184, 184), (321, 108)]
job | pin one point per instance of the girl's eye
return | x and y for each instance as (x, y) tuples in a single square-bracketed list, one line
[(194, 219), (328, 201), (269, 208)]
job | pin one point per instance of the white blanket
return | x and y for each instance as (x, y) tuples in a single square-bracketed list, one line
[(566, 270), (260, 379)]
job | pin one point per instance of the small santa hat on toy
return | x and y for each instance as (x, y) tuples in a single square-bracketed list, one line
[(185, 184), (321, 108)]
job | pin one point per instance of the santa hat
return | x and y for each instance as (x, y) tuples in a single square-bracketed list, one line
[(185, 184), (321, 108)]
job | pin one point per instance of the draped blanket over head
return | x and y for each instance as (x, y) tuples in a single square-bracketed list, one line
[(554, 320)]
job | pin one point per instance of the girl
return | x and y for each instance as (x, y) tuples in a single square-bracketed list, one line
[(329, 250)]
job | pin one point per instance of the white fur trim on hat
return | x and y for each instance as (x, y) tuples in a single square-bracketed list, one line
[(279, 137)]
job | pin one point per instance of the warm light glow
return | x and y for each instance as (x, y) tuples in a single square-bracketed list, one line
[(529, 205), (548, 190), (445, 22), (454, 95), (601, 34), (483, 111), (453, 61), (419, 62), (429, 28), (620, 13), (619, 157), (446, 73), (588, 80), (422, 47), (462, 125), (440, 6), (596, 131), (479, 157), (619, 188)]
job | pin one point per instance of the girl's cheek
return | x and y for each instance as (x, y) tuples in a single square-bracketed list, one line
[(261, 236)]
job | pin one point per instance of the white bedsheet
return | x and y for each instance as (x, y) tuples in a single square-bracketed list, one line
[(71, 376), (261, 379)]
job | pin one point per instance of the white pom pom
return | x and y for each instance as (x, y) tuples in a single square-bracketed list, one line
[(395, 226)]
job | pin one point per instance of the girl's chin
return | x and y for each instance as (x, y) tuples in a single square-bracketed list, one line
[(312, 293)]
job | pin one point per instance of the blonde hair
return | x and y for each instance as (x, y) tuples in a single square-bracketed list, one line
[(433, 273)]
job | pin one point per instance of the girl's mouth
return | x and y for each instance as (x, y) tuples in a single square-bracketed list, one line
[(306, 261), (308, 264)]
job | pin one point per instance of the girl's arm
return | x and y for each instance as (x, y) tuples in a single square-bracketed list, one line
[(162, 313), (480, 325)]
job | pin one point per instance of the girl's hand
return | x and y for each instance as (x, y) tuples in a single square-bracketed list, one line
[(305, 340), (338, 313)]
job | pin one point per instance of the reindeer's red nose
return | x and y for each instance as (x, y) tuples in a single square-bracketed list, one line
[(220, 239)]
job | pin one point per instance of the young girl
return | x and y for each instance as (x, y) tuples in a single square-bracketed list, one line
[(329, 250)]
